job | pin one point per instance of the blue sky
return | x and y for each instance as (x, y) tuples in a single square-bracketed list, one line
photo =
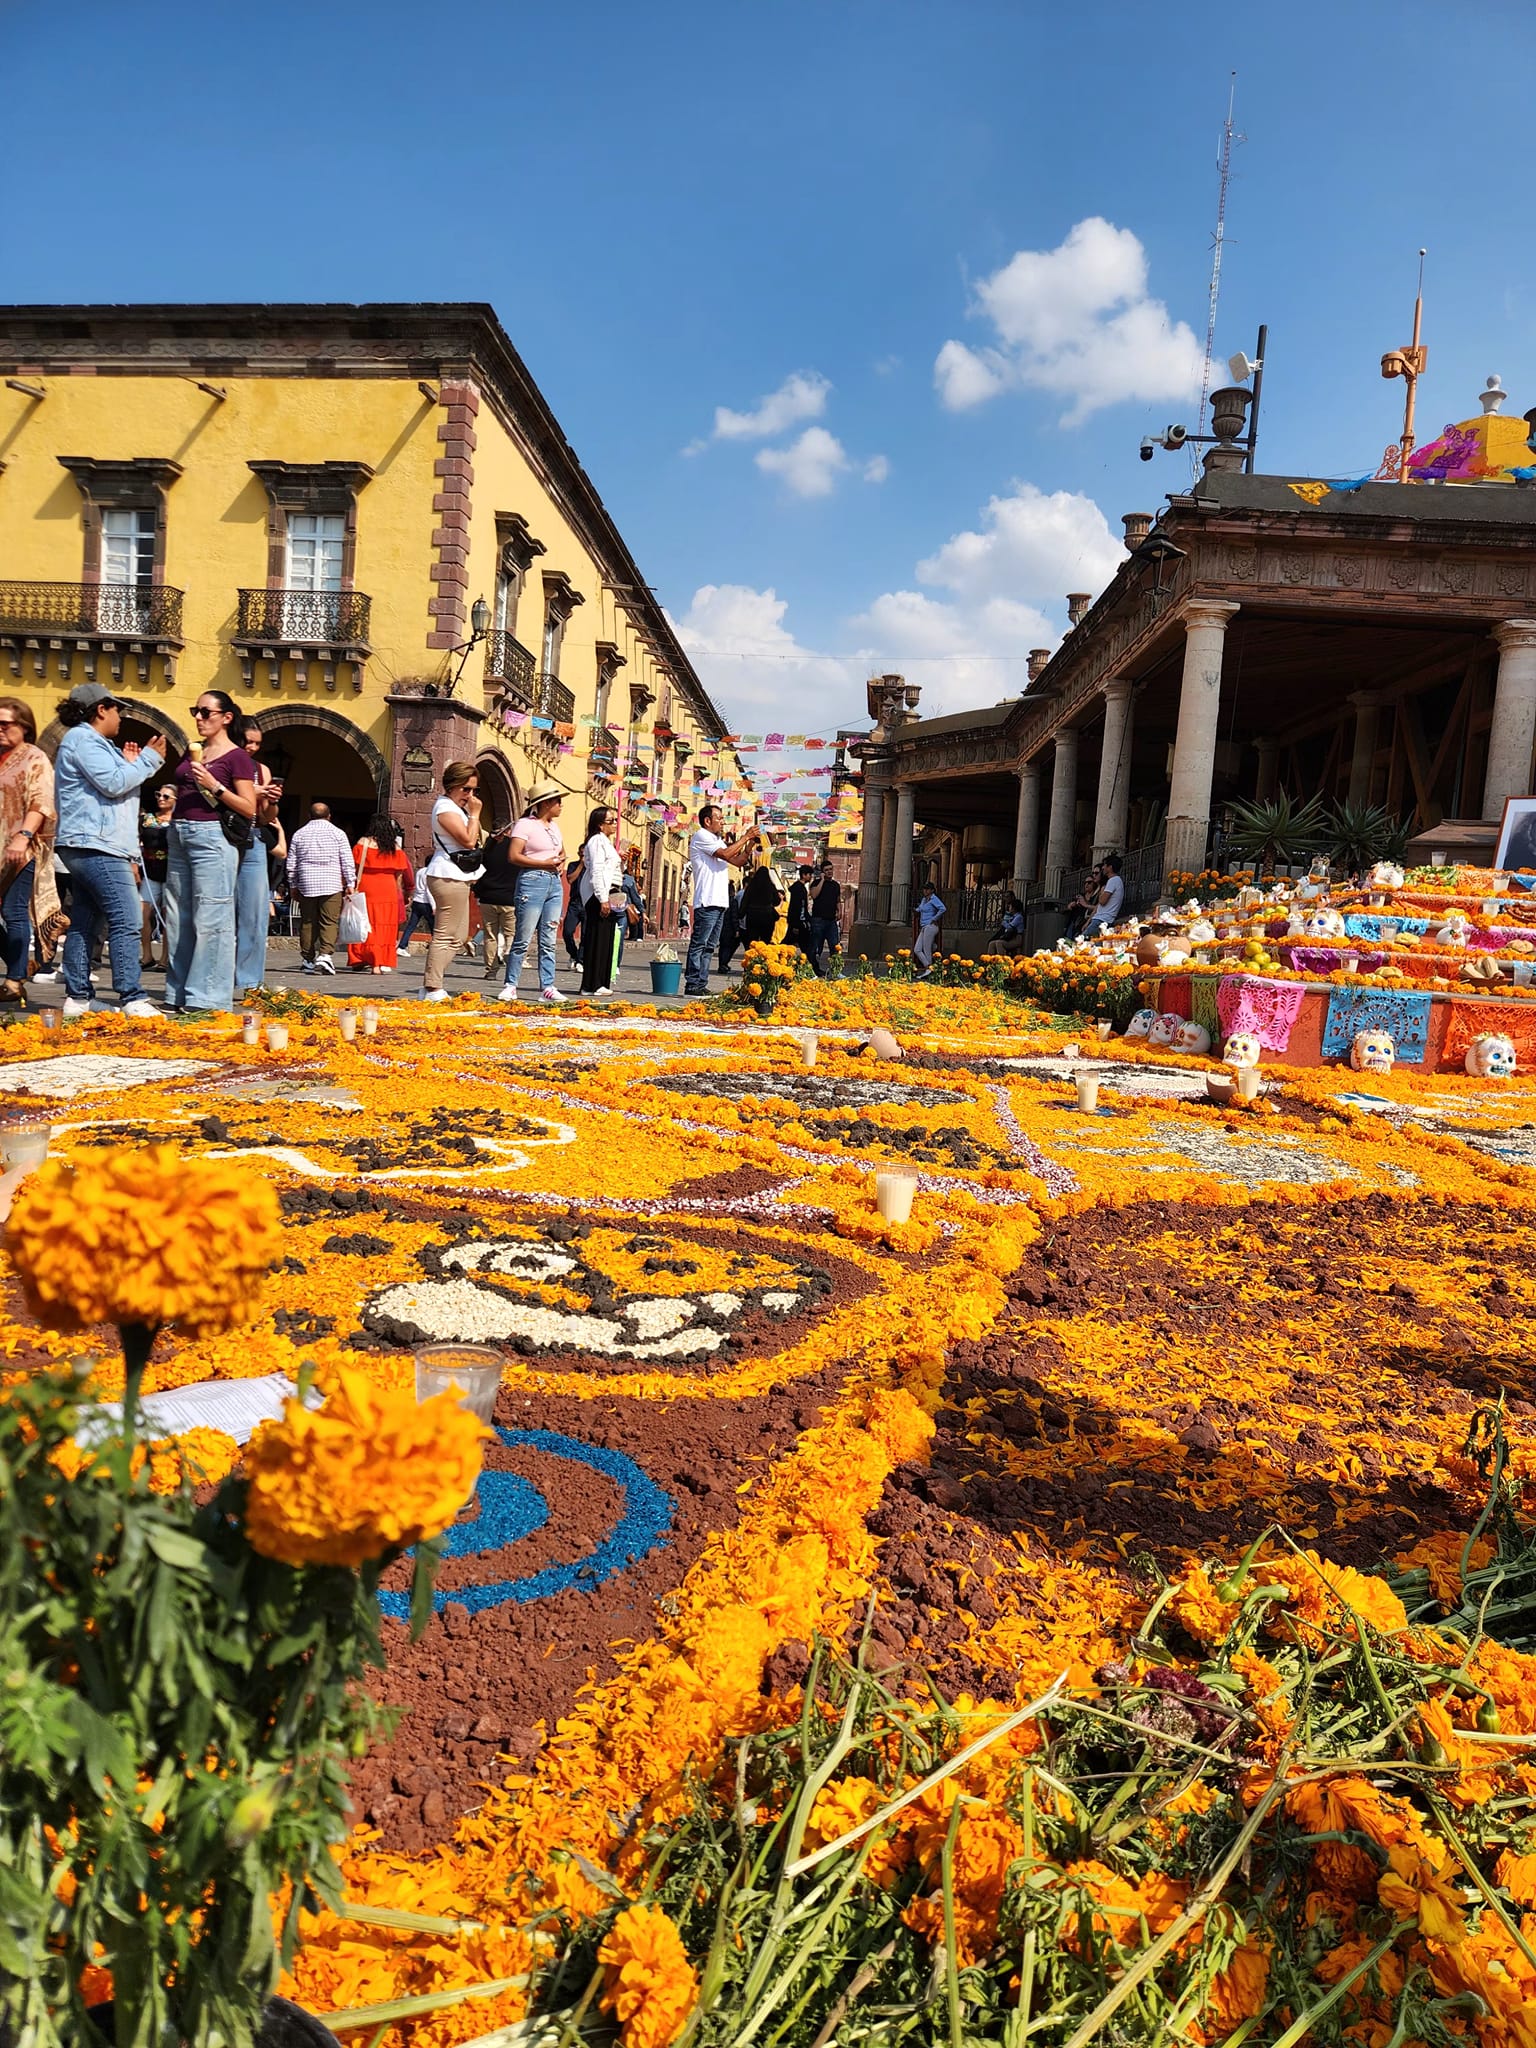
[(847, 207)]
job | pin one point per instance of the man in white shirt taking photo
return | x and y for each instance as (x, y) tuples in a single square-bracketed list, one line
[(1111, 896), (710, 861)]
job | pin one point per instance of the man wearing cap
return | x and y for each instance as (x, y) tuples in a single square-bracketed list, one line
[(96, 785), (536, 856)]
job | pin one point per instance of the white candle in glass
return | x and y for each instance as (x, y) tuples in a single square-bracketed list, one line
[(893, 1196)]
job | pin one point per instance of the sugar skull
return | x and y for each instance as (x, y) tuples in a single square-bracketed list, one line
[(1241, 1050), (1191, 1037), (1165, 1029), (1386, 875), (1141, 1024), (1491, 1056), (1325, 923), (1372, 1052)]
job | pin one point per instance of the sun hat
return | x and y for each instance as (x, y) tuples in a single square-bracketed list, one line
[(551, 792)]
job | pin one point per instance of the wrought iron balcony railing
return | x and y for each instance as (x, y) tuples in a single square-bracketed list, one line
[(304, 618), (99, 611), (604, 751), (510, 668), (551, 699)]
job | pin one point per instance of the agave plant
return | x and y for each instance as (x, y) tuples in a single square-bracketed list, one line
[(1277, 830), (1362, 833)]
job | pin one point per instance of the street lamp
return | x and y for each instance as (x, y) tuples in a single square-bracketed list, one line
[(479, 626)]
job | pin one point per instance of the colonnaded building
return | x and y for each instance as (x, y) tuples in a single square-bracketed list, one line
[(1375, 643), (365, 524)]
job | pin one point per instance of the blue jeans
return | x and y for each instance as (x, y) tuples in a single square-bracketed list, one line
[(253, 913), (200, 916), (702, 941), (536, 900), (822, 932), (17, 912), (103, 893)]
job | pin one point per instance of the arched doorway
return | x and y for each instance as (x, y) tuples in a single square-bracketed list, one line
[(320, 757), (501, 805)]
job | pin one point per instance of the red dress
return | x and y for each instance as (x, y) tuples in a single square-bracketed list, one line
[(380, 875)]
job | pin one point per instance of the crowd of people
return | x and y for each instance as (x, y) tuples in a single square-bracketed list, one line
[(111, 865)]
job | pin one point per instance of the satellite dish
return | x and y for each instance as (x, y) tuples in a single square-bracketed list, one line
[(1240, 368)]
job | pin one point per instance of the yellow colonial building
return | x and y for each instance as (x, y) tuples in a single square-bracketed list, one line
[(365, 524)]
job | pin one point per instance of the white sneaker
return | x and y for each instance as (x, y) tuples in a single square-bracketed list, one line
[(46, 974), (75, 1006), (604, 992), (325, 965), (142, 1008), (552, 995), (434, 995), (507, 993)]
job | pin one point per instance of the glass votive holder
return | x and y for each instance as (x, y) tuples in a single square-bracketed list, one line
[(277, 1037), (1088, 1093), (1437, 860), (809, 1046), (370, 1020), (250, 1028), (346, 1024), (50, 1019), (24, 1145), (893, 1196), (1104, 1026), (472, 1371), (1249, 1083)]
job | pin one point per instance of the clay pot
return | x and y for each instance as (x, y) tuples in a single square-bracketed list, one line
[(1149, 952), (883, 1044)]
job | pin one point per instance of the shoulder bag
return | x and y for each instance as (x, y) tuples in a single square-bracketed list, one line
[(353, 927)]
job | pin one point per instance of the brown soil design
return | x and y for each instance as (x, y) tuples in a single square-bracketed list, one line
[(474, 1688), (1342, 1450)]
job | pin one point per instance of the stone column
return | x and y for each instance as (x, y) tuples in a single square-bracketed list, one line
[(1026, 838), (901, 876), (1194, 748), (1114, 802), (1268, 779), (1363, 759), (1514, 717), (887, 846), (869, 845), (1062, 829)]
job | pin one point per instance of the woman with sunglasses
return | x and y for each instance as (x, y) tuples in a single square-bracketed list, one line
[(454, 865), (27, 813), (203, 860)]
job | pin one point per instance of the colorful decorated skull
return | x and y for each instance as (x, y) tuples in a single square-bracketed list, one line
[(1141, 1024), (1241, 1050), (1372, 1052), (1386, 875), (1491, 1056), (1191, 1037), (1164, 1029), (1325, 923)]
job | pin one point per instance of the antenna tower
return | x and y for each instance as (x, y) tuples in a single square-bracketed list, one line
[(1218, 243)]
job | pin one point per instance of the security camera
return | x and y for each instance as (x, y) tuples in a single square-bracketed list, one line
[(1148, 445), (1175, 437)]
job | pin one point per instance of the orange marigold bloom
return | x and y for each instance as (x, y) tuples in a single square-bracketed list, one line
[(1413, 1888), (1517, 1874), (144, 1236), (1200, 1609), (650, 1986), (1345, 1869), (1237, 1992), (370, 1472)]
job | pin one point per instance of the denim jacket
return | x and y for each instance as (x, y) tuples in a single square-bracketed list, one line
[(97, 792)]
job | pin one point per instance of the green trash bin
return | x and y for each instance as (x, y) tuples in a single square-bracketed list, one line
[(666, 977)]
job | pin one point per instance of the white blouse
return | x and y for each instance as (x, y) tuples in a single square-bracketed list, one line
[(602, 871)]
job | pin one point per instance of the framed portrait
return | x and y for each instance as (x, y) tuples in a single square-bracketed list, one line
[(1517, 834)]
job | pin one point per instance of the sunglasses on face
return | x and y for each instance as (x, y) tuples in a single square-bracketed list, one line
[(203, 711)]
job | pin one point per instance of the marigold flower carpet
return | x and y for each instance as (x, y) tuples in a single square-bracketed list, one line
[(738, 1406)]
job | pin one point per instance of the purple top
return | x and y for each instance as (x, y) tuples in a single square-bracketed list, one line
[(227, 769)]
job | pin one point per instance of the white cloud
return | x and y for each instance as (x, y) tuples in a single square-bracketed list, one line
[(802, 396), (755, 669), (810, 466), (877, 469), (978, 604), (1076, 321)]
